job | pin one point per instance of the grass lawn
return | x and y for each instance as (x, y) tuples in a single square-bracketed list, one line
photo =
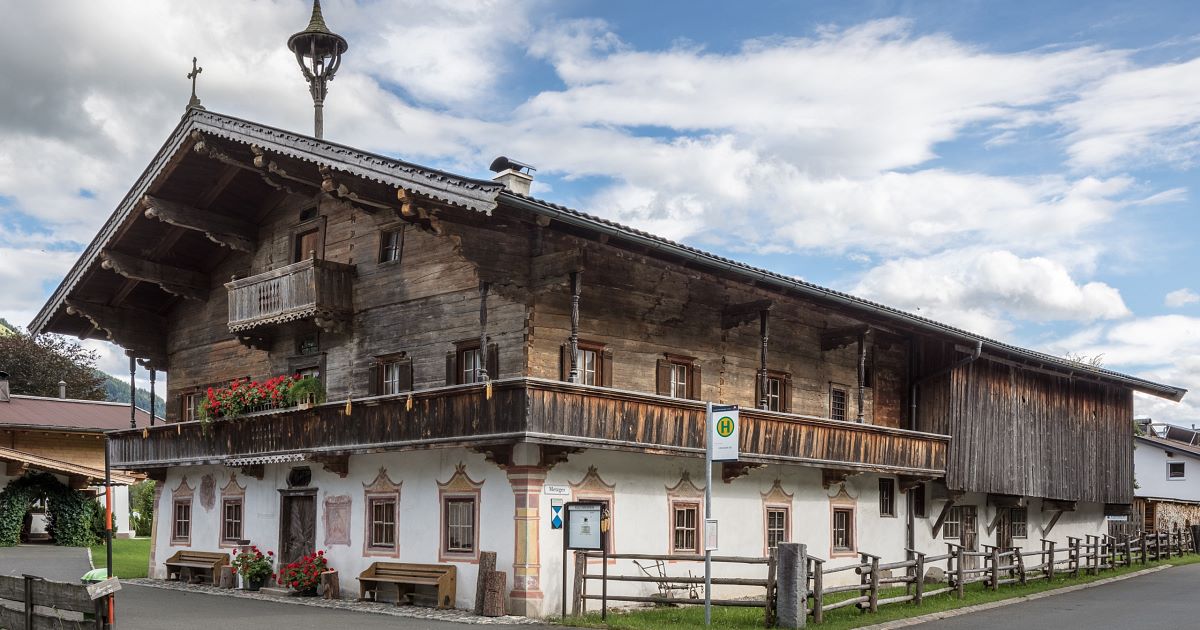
[(131, 556), (745, 618)]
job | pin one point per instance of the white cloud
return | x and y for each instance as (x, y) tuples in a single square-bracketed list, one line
[(1181, 297), (982, 290)]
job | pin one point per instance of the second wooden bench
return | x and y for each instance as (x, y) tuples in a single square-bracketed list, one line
[(408, 576), (191, 564)]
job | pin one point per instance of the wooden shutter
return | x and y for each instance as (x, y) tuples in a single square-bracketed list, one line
[(564, 362), (452, 367), (375, 379), (493, 361), (785, 394), (694, 382), (663, 377), (406, 375), (606, 367)]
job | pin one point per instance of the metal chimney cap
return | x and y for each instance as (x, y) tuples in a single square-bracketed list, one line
[(504, 164)]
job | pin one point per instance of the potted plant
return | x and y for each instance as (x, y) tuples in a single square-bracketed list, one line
[(254, 567), (304, 575), (306, 392)]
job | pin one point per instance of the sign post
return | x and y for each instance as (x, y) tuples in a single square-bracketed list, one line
[(721, 445)]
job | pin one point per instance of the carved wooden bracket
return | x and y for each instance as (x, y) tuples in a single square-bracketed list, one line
[(733, 470), (341, 191), (77, 482), (552, 455), (255, 342), (254, 470), (141, 333), (909, 482), (186, 283), (227, 231), (499, 454), (337, 464), (830, 477), (16, 469), (735, 315), (835, 338)]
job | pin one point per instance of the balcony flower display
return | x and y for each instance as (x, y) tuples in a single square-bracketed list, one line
[(304, 575), (246, 396)]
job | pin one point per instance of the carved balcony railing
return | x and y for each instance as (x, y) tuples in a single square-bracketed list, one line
[(528, 410), (312, 289)]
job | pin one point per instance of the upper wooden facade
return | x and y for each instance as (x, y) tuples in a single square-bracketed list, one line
[(245, 251)]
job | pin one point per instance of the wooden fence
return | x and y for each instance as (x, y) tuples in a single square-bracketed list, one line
[(993, 567), (31, 603)]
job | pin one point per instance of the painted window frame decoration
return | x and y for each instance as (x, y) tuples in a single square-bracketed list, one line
[(683, 496), (887, 497), (182, 496), (842, 502), (232, 494), (592, 487), (776, 499), (460, 487), (381, 488), (1171, 476)]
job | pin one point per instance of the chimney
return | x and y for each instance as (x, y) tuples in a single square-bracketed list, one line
[(515, 176), (62, 389), (3, 386)]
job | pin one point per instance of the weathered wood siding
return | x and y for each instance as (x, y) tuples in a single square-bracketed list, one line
[(1021, 432)]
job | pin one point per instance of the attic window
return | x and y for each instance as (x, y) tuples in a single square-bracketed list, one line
[(1175, 471), (309, 213)]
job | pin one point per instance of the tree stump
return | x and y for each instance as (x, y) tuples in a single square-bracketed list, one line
[(487, 564), (330, 587), (227, 578), (493, 596)]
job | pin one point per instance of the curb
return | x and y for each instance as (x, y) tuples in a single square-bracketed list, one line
[(966, 610)]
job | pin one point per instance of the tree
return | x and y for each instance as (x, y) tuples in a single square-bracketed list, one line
[(35, 365)]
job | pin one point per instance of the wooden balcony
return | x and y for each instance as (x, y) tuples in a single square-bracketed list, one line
[(528, 410), (312, 289)]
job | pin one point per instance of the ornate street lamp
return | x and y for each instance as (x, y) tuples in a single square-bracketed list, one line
[(319, 53)]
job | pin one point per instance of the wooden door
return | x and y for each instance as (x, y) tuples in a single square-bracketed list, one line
[(1004, 529), (297, 527), (970, 534), (308, 244)]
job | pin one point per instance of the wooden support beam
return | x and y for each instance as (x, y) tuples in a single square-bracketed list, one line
[(16, 469), (186, 283), (835, 338), (553, 455), (830, 477), (337, 464), (254, 470), (341, 191), (1050, 524), (995, 521), (141, 333), (1054, 504), (909, 482), (941, 519), (77, 482), (227, 231), (733, 470), (499, 454), (1006, 500), (735, 315)]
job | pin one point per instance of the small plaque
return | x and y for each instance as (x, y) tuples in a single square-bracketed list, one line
[(101, 589), (583, 526), (710, 534), (555, 490)]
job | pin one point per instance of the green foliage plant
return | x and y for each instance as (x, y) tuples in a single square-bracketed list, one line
[(72, 514)]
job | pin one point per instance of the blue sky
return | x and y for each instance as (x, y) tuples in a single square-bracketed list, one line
[(1026, 170)]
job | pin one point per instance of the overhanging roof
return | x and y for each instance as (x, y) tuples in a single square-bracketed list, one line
[(66, 414), (45, 464)]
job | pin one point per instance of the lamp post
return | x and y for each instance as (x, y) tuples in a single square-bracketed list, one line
[(319, 53)]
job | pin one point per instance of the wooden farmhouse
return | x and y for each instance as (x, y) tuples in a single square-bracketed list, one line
[(486, 354)]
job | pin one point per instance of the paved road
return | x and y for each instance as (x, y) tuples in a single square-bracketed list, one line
[(1163, 600), (144, 608)]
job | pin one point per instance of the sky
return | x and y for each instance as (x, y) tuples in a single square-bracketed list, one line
[(1024, 170)]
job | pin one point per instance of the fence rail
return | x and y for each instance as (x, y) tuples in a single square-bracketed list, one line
[(47, 605), (993, 567)]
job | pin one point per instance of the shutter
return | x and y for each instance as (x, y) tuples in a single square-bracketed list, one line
[(606, 365), (785, 395), (452, 368), (493, 361), (374, 379), (564, 363), (406, 375), (694, 384), (663, 377)]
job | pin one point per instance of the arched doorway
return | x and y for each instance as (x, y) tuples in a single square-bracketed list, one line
[(69, 514)]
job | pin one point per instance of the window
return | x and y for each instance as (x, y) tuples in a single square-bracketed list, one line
[(843, 529), (837, 402), (231, 523), (391, 377), (308, 344), (391, 245), (685, 518), (678, 377), (383, 523), (1175, 470), (588, 363), (593, 362), (918, 499), (774, 393), (887, 497), (777, 526), (188, 406), (181, 521), (460, 525), (469, 363), (952, 526), (1019, 519)]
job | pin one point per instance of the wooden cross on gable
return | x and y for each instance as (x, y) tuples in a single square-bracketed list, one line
[(196, 70)]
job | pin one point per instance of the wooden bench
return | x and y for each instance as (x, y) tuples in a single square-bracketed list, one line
[(194, 566), (407, 577)]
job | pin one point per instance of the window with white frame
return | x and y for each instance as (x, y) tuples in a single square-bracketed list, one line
[(774, 393), (685, 535), (587, 361), (679, 380), (1019, 521), (460, 524), (391, 245), (188, 405), (390, 373), (470, 363), (777, 526)]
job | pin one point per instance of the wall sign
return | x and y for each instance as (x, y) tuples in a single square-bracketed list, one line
[(556, 513), (583, 526), (556, 490)]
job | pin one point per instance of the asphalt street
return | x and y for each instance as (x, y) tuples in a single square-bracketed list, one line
[(1165, 599)]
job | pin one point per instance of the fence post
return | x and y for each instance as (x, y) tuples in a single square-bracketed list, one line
[(874, 601), (1074, 555), (995, 568), (1050, 561), (818, 578), (919, 584), (578, 604), (1020, 565), (958, 564), (791, 605), (769, 618)]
